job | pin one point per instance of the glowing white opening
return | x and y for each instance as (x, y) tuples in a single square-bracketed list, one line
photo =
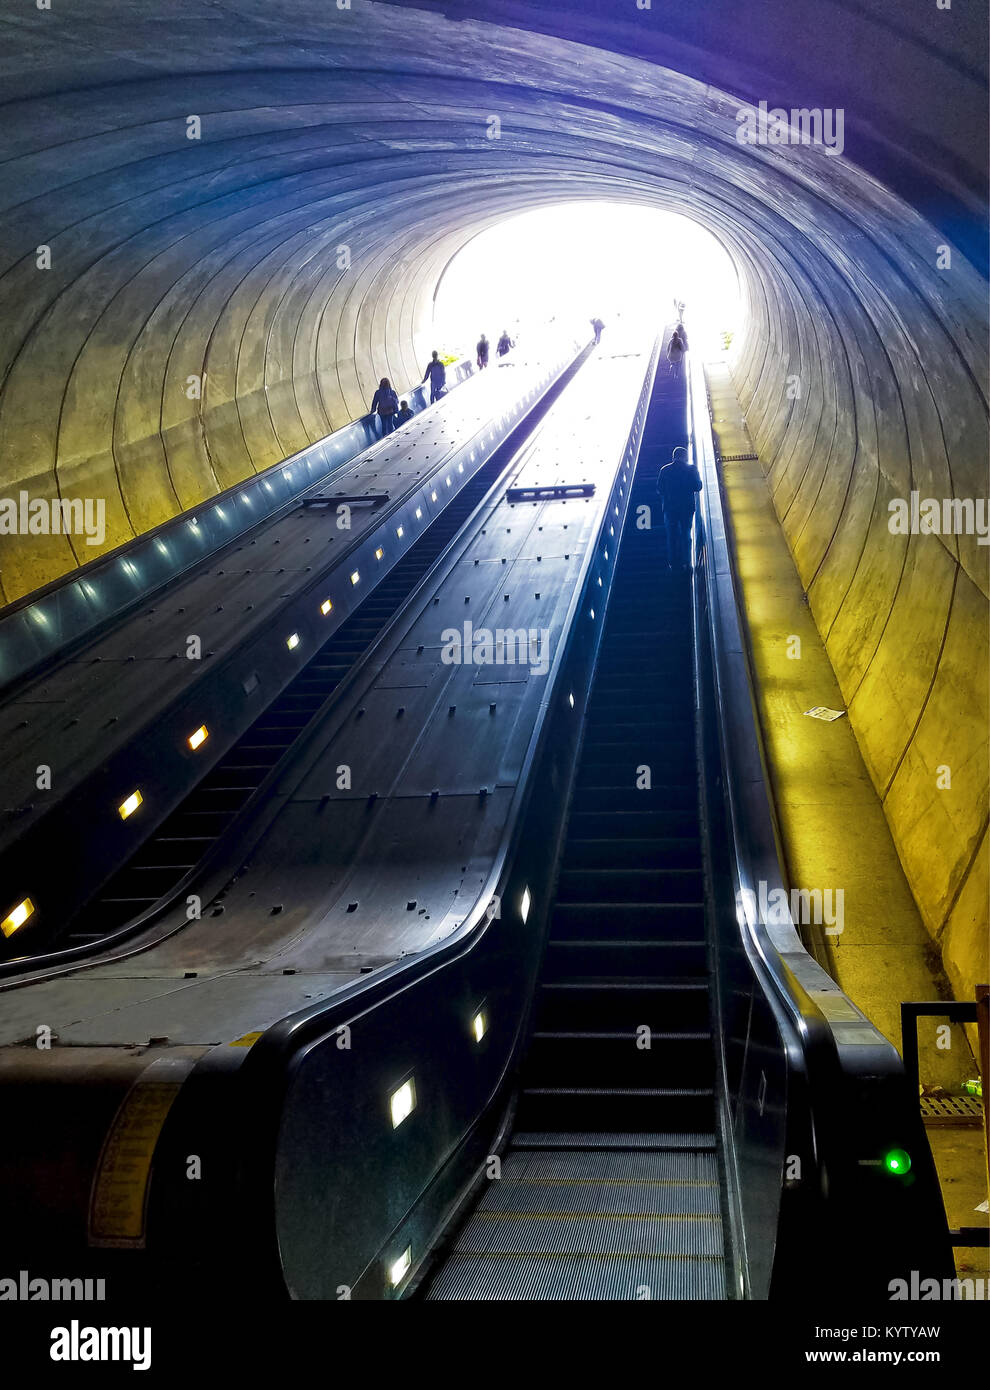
[(479, 1025), (16, 917), (398, 1270), (292, 642), (524, 904), (326, 607), (129, 805), (355, 577), (402, 1102), (198, 738), (522, 272)]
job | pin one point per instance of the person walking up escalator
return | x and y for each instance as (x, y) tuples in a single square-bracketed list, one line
[(675, 353), (677, 483), (437, 374), (386, 402)]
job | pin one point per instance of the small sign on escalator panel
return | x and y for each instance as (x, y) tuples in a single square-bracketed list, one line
[(823, 712)]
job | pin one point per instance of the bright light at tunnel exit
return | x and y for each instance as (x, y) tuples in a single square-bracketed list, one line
[(562, 265)]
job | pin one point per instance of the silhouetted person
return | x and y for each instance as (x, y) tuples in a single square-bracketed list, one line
[(597, 325), (682, 334), (437, 373), (675, 352), (504, 343), (404, 413), (482, 350), (677, 483), (386, 402)]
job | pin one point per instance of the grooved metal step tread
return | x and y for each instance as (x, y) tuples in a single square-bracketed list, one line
[(604, 1035), (621, 982), (701, 1142), (597, 1233), (596, 944), (587, 1277), (669, 1201), (635, 1091), (615, 1165)]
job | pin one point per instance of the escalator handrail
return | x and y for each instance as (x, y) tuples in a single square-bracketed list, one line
[(809, 995)]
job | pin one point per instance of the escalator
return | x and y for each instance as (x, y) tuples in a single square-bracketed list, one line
[(176, 851), (610, 1186)]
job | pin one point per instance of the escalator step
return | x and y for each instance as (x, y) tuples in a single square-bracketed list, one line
[(569, 959), (550, 1279), (672, 853), (628, 921), (630, 886)]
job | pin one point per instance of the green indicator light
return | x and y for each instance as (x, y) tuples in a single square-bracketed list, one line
[(897, 1161)]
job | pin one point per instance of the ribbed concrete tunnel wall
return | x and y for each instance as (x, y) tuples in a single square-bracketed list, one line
[(218, 258), (857, 396)]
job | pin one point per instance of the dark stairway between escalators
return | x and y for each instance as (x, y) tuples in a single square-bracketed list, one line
[(610, 1186)]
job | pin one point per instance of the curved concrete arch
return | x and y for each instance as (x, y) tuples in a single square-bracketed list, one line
[(217, 260)]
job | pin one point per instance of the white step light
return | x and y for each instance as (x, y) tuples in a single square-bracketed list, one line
[(524, 904), (402, 1102), (400, 1267), (292, 642), (16, 917), (128, 806)]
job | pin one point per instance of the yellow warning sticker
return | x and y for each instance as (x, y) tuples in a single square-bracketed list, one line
[(120, 1188), (248, 1040)]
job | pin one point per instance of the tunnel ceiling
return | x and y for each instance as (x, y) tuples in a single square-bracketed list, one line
[(368, 128), (136, 262)]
